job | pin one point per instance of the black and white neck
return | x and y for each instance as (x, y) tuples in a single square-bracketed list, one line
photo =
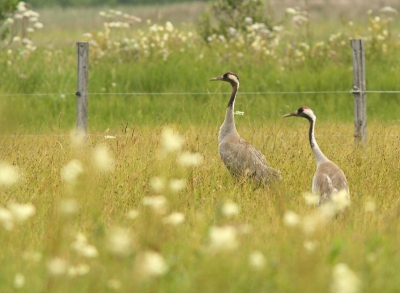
[(228, 128), (318, 154), (307, 113)]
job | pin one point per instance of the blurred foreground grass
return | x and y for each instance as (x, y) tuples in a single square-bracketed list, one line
[(123, 214)]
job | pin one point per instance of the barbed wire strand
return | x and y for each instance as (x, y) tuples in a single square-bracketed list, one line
[(203, 93)]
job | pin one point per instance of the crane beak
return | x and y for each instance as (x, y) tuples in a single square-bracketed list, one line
[(290, 114), (217, 78)]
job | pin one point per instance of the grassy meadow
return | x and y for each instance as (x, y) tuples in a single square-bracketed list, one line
[(145, 204)]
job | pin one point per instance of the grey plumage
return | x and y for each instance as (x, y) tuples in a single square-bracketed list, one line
[(328, 178), (240, 158)]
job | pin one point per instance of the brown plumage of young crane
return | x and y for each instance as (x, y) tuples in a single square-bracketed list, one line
[(240, 158), (328, 178)]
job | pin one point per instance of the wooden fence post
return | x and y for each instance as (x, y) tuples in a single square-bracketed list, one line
[(360, 97), (82, 49)]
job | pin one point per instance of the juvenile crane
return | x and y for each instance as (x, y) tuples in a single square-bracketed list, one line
[(240, 158), (328, 178)]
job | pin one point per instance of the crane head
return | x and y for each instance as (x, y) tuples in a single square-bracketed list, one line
[(230, 77), (304, 111)]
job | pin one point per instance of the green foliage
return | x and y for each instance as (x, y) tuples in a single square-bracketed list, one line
[(231, 14), (7, 8)]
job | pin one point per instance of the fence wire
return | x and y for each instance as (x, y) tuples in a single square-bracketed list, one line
[(203, 93)]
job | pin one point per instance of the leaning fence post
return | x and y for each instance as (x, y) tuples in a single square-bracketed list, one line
[(82, 49), (360, 97)]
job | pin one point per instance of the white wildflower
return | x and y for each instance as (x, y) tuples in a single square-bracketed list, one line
[(190, 159), (311, 199), (82, 246), (57, 266), (87, 36), (132, 214), (388, 9), (26, 41), (290, 10), (119, 241), (340, 200), (176, 185), (78, 270), (291, 219), (109, 137), (326, 211), (21, 7), (103, 158), (310, 245), (257, 260), (68, 206), (310, 223), (19, 281), (151, 264), (299, 19), (239, 113), (6, 218), (157, 203), (344, 280), (248, 20), (38, 25), (21, 212), (71, 171), (174, 219), (169, 27), (157, 184), (223, 238), (305, 46), (232, 31), (171, 141), (230, 209), (9, 174)]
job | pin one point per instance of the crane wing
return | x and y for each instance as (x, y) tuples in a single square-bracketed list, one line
[(329, 179), (242, 159)]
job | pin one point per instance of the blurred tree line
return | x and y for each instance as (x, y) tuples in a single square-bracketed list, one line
[(66, 3)]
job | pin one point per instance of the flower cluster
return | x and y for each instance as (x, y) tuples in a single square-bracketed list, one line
[(19, 27), (157, 41), (15, 213), (289, 43)]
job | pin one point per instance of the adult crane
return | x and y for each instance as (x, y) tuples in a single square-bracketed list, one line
[(240, 158), (328, 178)]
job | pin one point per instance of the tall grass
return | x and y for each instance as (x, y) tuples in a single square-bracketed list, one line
[(366, 239), (107, 109)]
